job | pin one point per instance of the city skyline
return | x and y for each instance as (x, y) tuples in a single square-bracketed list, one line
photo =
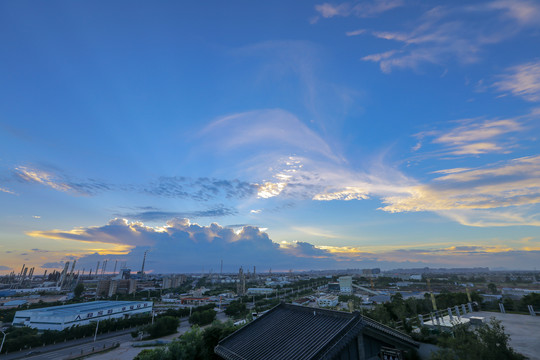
[(302, 136)]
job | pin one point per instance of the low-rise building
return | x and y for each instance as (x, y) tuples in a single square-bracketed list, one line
[(260, 291), (333, 286), (66, 316), (302, 301), (327, 301), (518, 292)]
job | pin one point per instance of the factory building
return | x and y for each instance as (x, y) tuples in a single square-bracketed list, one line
[(173, 281), (113, 287), (260, 291), (66, 316), (333, 286)]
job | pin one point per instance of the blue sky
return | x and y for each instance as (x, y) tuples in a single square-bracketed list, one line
[(300, 135)]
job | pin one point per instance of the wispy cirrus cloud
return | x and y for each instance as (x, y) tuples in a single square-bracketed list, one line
[(360, 9), (477, 136), (271, 128), (355, 32), (7, 191), (525, 12), (507, 187), (300, 64), (60, 182), (521, 80), (459, 33), (312, 231), (198, 189), (475, 197), (153, 214)]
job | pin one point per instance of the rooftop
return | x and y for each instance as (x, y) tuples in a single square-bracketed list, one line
[(296, 332), (82, 307)]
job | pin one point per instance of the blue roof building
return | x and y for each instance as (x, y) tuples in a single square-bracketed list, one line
[(65, 316)]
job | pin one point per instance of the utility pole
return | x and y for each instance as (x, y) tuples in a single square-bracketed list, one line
[(2, 345), (95, 335)]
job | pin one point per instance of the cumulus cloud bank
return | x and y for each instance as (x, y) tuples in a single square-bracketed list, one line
[(183, 246)]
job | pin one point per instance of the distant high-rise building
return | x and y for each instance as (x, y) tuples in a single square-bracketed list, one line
[(112, 287), (345, 284), (173, 281)]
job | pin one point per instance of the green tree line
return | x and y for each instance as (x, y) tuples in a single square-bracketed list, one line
[(196, 344)]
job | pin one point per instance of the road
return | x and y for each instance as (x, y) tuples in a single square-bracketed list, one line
[(64, 349), (81, 349)]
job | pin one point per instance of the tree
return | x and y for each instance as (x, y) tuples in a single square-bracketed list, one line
[(508, 304), (488, 342), (202, 317), (165, 325), (213, 334), (530, 299), (79, 289), (195, 344), (236, 309), (492, 288)]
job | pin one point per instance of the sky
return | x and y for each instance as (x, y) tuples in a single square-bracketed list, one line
[(281, 134)]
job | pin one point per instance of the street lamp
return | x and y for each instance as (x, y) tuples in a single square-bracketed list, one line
[(2, 345), (95, 335)]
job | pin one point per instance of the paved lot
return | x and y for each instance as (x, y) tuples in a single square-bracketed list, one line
[(524, 331)]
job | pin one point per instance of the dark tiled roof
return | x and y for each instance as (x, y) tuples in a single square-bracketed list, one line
[(296, 332)]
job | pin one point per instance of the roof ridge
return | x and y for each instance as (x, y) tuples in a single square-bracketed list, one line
[(385, 328)]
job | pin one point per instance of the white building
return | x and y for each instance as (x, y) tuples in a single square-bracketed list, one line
[(65, 316), (260, 291), (327, 301), (518, 292)]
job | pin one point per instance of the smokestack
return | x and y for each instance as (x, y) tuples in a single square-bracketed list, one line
[(103, 267)]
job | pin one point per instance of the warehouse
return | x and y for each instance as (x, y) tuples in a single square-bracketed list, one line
[(65, 316)]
